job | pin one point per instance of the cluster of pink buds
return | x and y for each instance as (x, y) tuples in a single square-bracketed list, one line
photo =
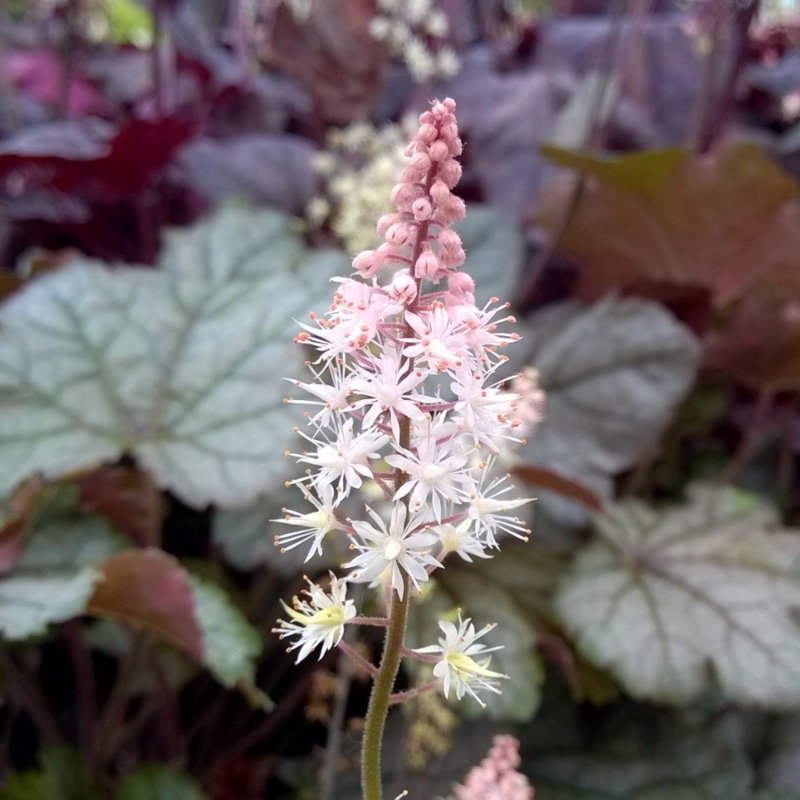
[(496, 777), (404, 397)]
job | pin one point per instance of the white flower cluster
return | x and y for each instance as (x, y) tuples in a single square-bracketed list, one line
[(413, 30), (358, 169), (404, 395)]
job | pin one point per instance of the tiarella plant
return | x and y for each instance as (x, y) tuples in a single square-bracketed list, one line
[(405, 397)]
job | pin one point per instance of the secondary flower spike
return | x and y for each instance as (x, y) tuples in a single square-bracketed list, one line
[(406, 399)]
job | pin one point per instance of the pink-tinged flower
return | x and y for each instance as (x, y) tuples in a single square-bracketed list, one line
[(330, 387), (532, 401), (400, 548), (345, 460), (431, 472), (358, 310), (439, 340), (387, 390), (320, 620), (457, 667), (314, 525), (489, 510), (482, 334), (485, 412), (496, 777)]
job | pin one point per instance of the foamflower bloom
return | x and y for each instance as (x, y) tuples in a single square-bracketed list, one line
[(457, 666), (314, 525), (496, 777), (403, 546), (318, 620)]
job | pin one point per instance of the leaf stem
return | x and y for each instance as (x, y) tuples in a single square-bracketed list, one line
[(85, 684), (752, 436)]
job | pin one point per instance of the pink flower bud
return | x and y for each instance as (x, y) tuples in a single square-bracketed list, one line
[(403, 288), (453, 209), (449, 104), (456, 146), (421, 209), (368, 263), (412, 175), (448, 240), (450, 172), (460, 285), (448, 131), (427, 133), (386, 221), (438, 151), (388, 252), (420, 161), (398, 234), (453, 258), (402, 195), (428, 266), (439, 192)]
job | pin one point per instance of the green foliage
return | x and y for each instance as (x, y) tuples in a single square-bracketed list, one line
[(56, 572), (638, 754), (668, 601), (128, 22), (72, 563), (230, 644), (174, 366), (157, 782), (614, 374), (495, 251), (63, 776)]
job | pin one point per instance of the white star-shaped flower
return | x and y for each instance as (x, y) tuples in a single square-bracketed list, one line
[(457, 667), (402, 547), (320, 620)]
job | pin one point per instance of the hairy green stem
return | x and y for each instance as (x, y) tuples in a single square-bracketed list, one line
[(380, 697)]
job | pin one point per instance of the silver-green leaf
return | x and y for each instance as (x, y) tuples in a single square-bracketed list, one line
[(614, 374), (180, 366), (230, 643), (54, 576), (673, 602)]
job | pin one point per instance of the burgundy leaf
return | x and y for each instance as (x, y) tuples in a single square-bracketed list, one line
[(149, 588)]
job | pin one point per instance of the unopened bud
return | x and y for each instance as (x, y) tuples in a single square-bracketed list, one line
[(403, 288), (450, 172), (428, 266), (421, 209), (397, 234), (367, 263), (439, 151)]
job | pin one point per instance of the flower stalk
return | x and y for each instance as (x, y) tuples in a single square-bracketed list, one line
[(405, 401)]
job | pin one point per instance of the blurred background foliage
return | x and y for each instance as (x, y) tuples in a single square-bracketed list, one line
[(179, 180)]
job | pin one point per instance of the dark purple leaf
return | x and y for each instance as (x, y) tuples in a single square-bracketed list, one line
[(660, 71), (125, 74), (213, 65), (502, 144), (334, 54), (275, 170)]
